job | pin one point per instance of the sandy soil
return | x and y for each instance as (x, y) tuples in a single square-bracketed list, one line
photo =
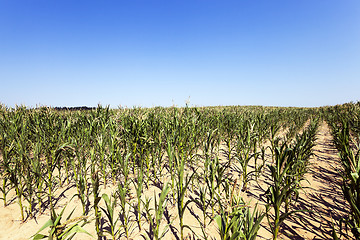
[(321, 197)]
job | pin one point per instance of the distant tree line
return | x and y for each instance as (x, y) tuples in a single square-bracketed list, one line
[(74, 108)]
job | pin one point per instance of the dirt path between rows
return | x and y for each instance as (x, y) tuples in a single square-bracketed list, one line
[(322, 195)]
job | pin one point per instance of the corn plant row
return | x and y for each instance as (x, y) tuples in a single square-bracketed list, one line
[(344, 121), (291, 163)]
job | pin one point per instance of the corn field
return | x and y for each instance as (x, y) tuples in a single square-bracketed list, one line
[(170, 173)]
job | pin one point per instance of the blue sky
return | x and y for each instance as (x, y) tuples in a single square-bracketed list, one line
[(164, 52)]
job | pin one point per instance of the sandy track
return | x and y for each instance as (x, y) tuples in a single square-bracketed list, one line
[(322, 195)]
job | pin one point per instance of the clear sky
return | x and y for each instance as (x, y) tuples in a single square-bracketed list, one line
[(163, 52)]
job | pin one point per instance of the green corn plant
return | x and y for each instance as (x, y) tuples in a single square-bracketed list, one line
[(210, 180), (114, 156), (260, 167), (228, 226), (238, 222), (155, 219), (244, 155), (351, 192), (202, 203), (215, 178), (146, 165), (302, 148), (220, 170), (229, 127), (209, 143), (52, 163), (81, 192), (222, 181), (100, 146), (80, 164), (227, 185), (29, 192), (171, 155), (252, 222), (124, 162), (109, 212), (349, 151), (95, 181), (125, 212), (18, 176), (281, 189), (274, 139), (5, 189), (35, 179), (139, 188), (158, 151), (182, 184), (62, 231), (16, 179), (41, 193), (6, 150), (32, 175), (137, 139), (69, 156)]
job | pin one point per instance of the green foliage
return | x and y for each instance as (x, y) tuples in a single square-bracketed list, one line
[(286, 174), (109, 212), (347, 140), (43, 150), (155, 218), (62, 231), (238, 222)]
